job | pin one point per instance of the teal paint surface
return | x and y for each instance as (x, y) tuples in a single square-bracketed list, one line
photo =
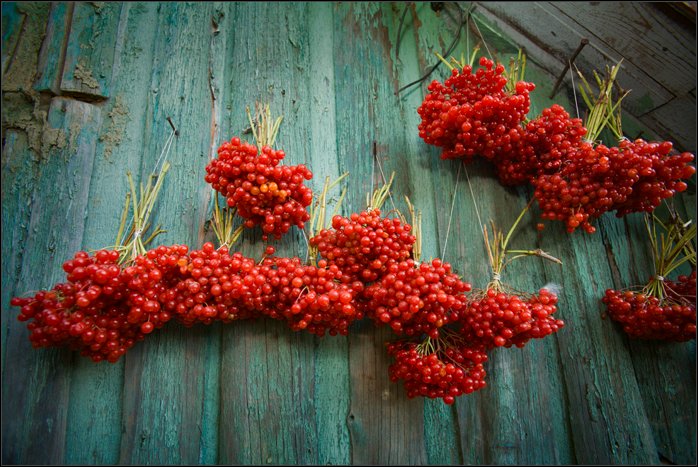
[(256, 392)]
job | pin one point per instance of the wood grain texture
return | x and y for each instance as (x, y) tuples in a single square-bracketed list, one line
[(634, 29), (96, 393), (36, 429), (90, 49), (52, 54), (255, 392), (657, 51)]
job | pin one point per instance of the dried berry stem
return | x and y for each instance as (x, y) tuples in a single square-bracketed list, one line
[(376, 200), (318, 210), (497, 250), (142, 207), (416, 222), (222, 222), (669, 251), (263, 128), (604, 110)]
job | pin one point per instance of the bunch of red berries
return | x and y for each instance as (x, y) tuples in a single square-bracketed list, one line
[(86, 313), (499, 319), (439, 369), (315, 298), (264, 192), (683, 288), (596, 179), (661, 174), (539, 146), (364, 245), (647, 317), (472, 113), (212, 285), (148, 281), (417, 299)]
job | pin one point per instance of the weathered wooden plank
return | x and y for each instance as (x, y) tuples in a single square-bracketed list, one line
[(89, 55), (35, 401), (670, 406), (12, 24), (428, 32), (22, 133), (550, 41), (97, 391), (643, 34), (19, 171), (26, 25), (331, 357), (50, 66), (607, 419), (505, 389), (672, 121), (385, 426), (163, 406), (276, 364)]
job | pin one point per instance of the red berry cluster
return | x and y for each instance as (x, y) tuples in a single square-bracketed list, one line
[(104, 308), (635, 176), (539, 146), (264, 192), (86, 313), (364, 245), (446, 373), (683, 289), (499, 319), (315, 298), (417, 299), (575, 181), (647, 317), (472, 113)]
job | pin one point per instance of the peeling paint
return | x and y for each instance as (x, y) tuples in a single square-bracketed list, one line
[(85, 76), (118, 118)]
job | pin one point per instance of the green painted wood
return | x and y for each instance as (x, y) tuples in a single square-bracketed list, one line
[(380, 414), (12, 23), (255, 392), (52, 52), (276, 364), (35, 402), (331, 357), (96, 393), (162, 421), (22, 117), (19, 169), (669, 406), (89, 54)]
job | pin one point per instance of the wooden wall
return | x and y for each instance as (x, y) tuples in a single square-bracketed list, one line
[(87, 90)]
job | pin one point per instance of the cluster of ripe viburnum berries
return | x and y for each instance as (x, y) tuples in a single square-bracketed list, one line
[(473, 114), (366, 270)]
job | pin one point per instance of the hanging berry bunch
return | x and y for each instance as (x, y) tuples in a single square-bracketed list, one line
[(576, 178), (109, 300), (539, 146), (444, 368), (253, 181), (663, 309), (365, 244), (634, 176), (473, 112), (498, 316)]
